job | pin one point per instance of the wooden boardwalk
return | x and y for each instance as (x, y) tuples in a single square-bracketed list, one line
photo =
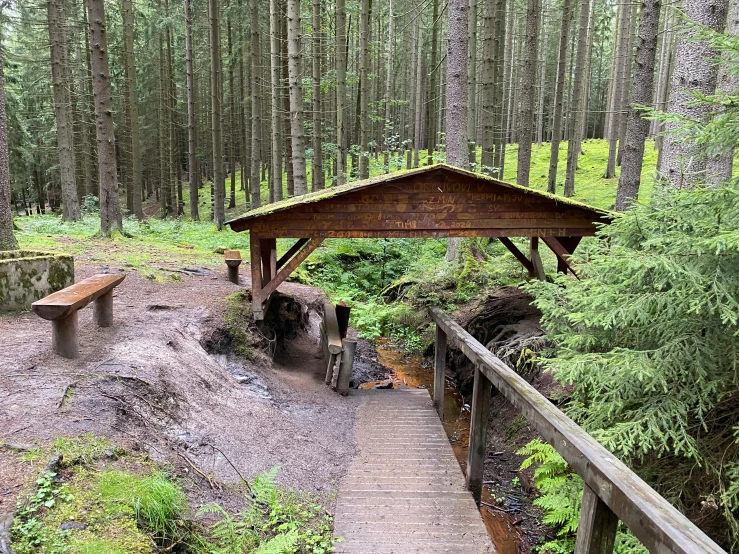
[(405, 492)]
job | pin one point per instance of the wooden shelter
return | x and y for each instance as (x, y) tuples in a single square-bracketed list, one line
[(432, 202)]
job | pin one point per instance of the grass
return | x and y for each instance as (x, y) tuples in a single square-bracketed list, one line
[(102, 500)]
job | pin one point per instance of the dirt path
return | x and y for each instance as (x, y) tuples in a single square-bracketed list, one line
[(148, 383)]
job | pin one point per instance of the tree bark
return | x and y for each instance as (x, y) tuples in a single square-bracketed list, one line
[(256, 113), (296, 97), (317, 172), (564, 40), (341, 116), (216, 97), (621, 57), (110, 209), (388, 127), (528, 82), (487, 77), (579, 101), (132, 107), (637, 128), (191, 118), (274, 57), (61, 81), (472, 84), (457, 153), (433, 109), (364, 123), (683, 163), (719, 169), (7, 238)]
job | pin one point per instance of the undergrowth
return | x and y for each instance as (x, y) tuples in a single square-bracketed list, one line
[(102, 500)]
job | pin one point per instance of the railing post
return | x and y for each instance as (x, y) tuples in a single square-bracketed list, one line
[(439, 371), (596, 531), (478, 433)]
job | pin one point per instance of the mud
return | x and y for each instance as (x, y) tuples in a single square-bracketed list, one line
[(148, 383)]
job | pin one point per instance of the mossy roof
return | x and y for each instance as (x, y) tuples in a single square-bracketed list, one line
[(333, 192)]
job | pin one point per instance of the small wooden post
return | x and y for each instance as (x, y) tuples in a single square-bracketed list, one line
[(478, 433), (439, 371), (64, 336), (233, 261), (102, 310), (345, 368), (596, 531)]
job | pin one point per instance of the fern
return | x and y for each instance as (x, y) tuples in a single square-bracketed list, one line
[(281, 544)]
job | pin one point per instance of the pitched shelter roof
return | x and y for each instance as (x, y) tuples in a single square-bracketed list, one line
[(435, 201), (442, 174)]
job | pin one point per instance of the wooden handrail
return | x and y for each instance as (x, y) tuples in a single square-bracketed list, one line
[(654, 521)]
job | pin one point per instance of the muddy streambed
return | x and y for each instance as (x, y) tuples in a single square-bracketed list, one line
[(501, 521)]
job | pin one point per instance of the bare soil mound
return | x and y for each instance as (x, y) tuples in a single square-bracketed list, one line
[(152, 382)]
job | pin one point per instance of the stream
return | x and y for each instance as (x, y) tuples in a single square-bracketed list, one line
[(408, 370)]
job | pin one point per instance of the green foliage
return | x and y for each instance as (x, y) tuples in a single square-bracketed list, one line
[(155, 499), (238, 321), (275, 521), (82, 449), (648, 336)]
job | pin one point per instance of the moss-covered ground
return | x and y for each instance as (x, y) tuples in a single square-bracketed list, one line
[(100, 499)]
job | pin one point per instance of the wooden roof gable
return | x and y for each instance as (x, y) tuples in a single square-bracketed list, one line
[(434, 201)]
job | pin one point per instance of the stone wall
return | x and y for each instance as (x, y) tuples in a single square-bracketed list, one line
[(27, 276)]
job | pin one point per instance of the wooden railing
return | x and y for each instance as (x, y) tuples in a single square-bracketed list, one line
[(612, 491)]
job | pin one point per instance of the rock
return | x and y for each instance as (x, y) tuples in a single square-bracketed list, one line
[(69, 525)]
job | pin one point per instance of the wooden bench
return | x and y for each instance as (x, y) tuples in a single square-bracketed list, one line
[(61, 309), (233, 261)]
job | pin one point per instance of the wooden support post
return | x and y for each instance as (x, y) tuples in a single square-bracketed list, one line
[(439, 371), (538, 267), (291, 252), (255, 253), (563, 247), (513, 249), (596, 531), (349, 347), (481, 392), (64, 336), (268, 250), (330, 368), (102, 310)]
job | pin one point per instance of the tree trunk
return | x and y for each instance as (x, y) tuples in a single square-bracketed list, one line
[(341, 42), (621, 57), (191, 125), (418, 139), (637, 128), (388, 127), (132, 107), (472, 84), (431, 129), (7, 238), (274, 60), (488, 88), (364, 123), (216, 96), (317, 173), (296, 97), (457, 153), (528, 82), (564, 40), (543, 36), (110, 209), (579, 100), (256, 119), (500, 46), (719, 169), (683, 163), (61, 80)]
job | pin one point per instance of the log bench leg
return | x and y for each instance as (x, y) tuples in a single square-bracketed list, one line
[(233, 274), (103, 310), (64, 338)]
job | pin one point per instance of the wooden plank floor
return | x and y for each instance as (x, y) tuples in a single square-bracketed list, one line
[(404, 492)]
